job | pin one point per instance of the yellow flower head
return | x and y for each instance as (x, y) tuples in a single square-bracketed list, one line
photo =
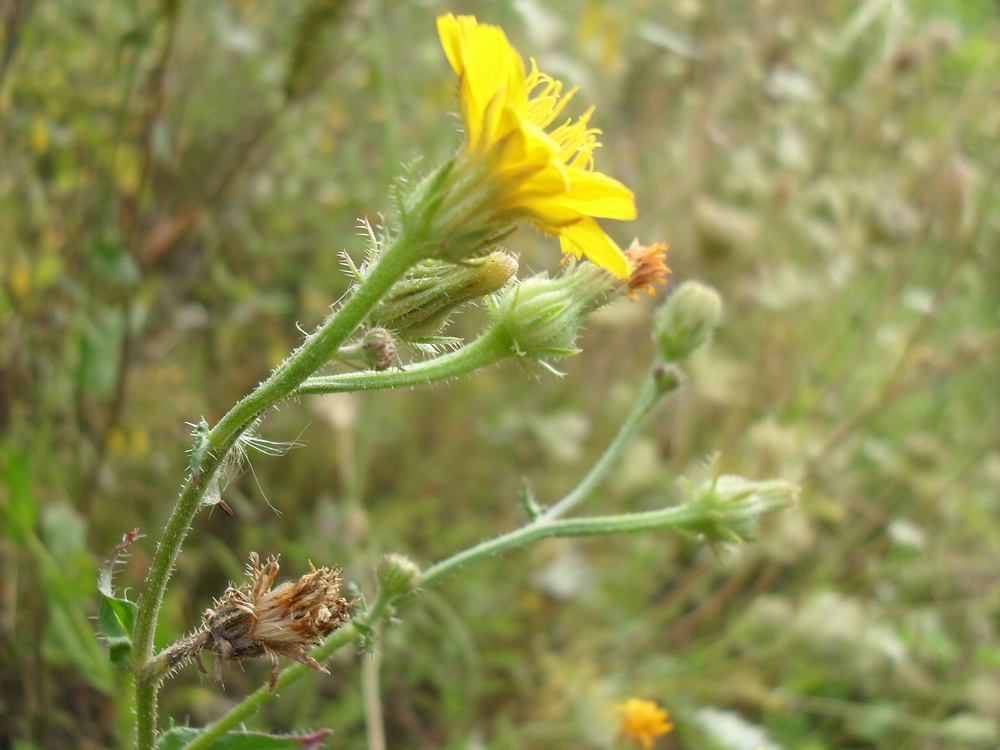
[(544, 176), (643, 721)]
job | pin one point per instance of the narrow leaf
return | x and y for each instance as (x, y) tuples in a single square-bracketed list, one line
[(20, 511), (178, 737)]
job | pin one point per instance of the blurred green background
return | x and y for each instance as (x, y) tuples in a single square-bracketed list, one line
[(176, 181)]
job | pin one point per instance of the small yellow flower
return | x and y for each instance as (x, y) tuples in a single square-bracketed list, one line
[(545, 177), (643, 721)]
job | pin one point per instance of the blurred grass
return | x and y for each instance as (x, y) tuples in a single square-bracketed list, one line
[(175, 183)]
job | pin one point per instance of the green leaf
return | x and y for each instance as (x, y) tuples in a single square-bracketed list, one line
[(20, 511), (70, 637), (179, 737), (111, 262), (116, 620)]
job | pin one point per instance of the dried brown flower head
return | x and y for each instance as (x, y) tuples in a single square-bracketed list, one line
[(648, 267), (255, 620)]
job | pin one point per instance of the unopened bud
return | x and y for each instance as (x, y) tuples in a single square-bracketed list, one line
[(398, 576), (420, 303), (732, 505), (686, 322), (378, 349), (542, 316), (667, 377)]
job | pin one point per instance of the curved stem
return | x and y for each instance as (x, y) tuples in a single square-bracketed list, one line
[(304, 361), (486, 350), (649, 396)]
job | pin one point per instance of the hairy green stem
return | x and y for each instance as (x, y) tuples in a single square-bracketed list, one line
[(304, 361), (649, 396), (253, 702), (486, 350), (675, 517)]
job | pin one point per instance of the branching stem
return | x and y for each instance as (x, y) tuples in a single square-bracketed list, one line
[(304, 361), (485, 350)]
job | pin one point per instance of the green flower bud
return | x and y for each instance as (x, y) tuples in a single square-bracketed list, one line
[(378, 349), (420, 303), (398, 576), (542, 316), (667, 377), (686, 322), (732, 506)]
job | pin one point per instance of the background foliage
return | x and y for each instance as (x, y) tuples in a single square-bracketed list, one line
[(176, 180)]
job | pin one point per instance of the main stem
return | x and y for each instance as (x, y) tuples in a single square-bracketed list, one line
[(304, 361)]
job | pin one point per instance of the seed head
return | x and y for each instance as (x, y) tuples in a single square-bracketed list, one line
[(255, 620)]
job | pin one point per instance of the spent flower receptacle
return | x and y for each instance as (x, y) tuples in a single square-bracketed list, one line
[(378, 349)]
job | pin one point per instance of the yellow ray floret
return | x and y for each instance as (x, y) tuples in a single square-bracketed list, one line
[(547, 175), (643, 721)]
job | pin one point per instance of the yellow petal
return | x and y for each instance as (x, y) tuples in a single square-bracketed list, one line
[(559, 195), (596, 194), (451, 42), (587, 238), (489, 68)]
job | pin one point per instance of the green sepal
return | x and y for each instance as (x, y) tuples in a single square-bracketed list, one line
[(116, 620)]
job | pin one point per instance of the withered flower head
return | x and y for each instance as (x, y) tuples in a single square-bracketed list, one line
[(255, 620), (648, 267)]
